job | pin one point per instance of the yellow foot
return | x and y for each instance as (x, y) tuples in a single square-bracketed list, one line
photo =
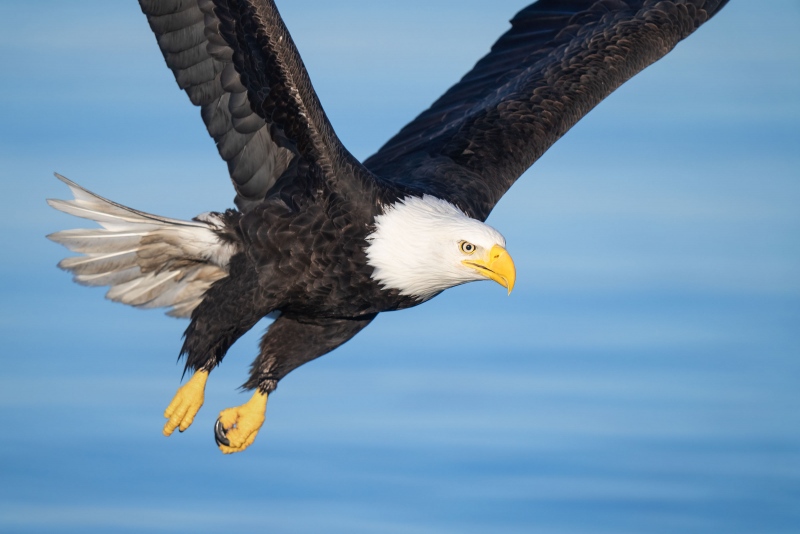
[(186, 403), (237, 427)]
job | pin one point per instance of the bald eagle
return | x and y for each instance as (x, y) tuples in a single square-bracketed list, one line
[(318, 239)]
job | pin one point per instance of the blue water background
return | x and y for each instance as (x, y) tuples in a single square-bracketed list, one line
[(644, 376)]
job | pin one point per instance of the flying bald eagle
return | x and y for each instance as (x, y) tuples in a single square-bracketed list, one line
[(318, 239)]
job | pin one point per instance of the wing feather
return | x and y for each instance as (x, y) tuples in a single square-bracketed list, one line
[(236, 60), (559, 59), (187, 32)]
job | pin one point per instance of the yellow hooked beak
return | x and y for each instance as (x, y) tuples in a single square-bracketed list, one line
[(497, 266)]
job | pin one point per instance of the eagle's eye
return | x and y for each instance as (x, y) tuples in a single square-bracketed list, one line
[(467, 247)]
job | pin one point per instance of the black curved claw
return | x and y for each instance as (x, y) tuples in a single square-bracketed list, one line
[(220, 434)]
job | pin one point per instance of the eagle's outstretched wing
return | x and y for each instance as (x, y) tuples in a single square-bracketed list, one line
[(558, 61), (236, 60)]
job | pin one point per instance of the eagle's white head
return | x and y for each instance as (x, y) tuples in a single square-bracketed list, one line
[(422, 246)]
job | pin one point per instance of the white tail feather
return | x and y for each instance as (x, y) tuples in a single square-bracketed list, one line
[(148, 261)]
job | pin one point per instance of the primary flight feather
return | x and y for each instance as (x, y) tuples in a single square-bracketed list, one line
[(317, 238)]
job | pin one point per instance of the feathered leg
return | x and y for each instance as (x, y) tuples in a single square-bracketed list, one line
[(288, 344), (223, 316)]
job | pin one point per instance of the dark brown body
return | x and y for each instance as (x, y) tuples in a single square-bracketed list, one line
[(307, 204)]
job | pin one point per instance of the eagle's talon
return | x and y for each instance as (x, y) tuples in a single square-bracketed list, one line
[(237, 427), (187, 402), (220, 434)]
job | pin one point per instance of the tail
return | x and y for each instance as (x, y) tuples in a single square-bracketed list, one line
[(148, 261)]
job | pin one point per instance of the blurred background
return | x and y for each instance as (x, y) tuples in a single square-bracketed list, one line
[(644, 376)]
